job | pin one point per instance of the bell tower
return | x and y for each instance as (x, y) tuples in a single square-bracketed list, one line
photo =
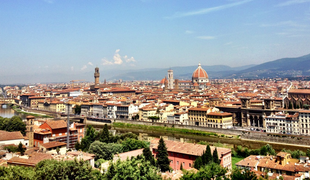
[(30, 130), (96, 75), (170, 79)]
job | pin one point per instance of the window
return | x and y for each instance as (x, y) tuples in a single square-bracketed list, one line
[(177, 162), (189, 164), (60, 134)]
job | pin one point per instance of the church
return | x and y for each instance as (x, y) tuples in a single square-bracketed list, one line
[(200, 80)]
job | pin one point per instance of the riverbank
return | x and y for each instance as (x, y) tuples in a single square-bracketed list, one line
[(16, 109)]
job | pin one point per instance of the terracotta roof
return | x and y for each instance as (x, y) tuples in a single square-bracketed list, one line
[(4, 135), (188, 148), (56, 124), (129, 154), (199, 73), (53, 144), (34, 158), (300, 91)]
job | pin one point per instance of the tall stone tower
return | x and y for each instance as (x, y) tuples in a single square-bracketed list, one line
[(96, 75), (170, 79), (30, 130)]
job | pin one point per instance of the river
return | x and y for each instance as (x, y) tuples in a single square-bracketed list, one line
[(7, 112)]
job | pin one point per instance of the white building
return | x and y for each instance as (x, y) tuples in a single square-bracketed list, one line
[(282, 123), (10, 138), (304, 122)]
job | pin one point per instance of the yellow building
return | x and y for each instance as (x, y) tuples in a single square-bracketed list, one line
[(204, 117), (197, 116), (220, 120)]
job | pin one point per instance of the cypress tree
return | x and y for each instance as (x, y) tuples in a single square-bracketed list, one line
[(216, 157), (181, 166), (111, 171), (20, 148), (148, 156), (162, 156), (104, 135), (208, 155), (198, 163)]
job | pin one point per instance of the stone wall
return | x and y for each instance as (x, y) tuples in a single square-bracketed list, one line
[(278, 138), (207, 129)]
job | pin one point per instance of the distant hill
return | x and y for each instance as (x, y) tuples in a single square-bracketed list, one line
[(184, 72), (285, 67)]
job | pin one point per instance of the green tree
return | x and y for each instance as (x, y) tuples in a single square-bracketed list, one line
[(77, 109), (198, 163), (105, 151), (16, 124), (89, 138), (238, 174), (181, 166), (308, 153), (216, 157), (11, 148), (20, 148), (208, 155), (111, 172), (53, 169), (207, 172), (104, 135), (132, 169), (57, 150), (148, 156), (162, 156), (132, 144)]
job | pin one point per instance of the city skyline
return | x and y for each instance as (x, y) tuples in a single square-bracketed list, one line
[(46, 37)]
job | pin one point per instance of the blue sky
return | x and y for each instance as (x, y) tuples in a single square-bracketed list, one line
[(53, 36)]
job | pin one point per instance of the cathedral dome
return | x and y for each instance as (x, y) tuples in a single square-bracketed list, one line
[(199, 73)]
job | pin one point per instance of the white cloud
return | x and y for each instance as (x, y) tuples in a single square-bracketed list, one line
[(131, 59), (90, 63), (208, 10), (283, 23), (72, 68), (206, 37), (106, 62), (228, 43), (84, 67), (189, 32), (117, 59), (292, 2)]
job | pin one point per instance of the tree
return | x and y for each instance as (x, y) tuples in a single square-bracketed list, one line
[(16, 124), (57, 150), (105, 151), (198, 163), (216, 157), (132, 144), (54, 169), (77, 109), (181, 166), (162, 156), (20, 148), (308, 153), (111, 172), (104, 135), (207, 172), (132, 169), (208, 154), (238, 174), (148, 156), (90, 137)]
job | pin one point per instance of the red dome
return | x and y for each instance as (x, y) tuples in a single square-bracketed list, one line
[(163, 81), (199, 73)]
